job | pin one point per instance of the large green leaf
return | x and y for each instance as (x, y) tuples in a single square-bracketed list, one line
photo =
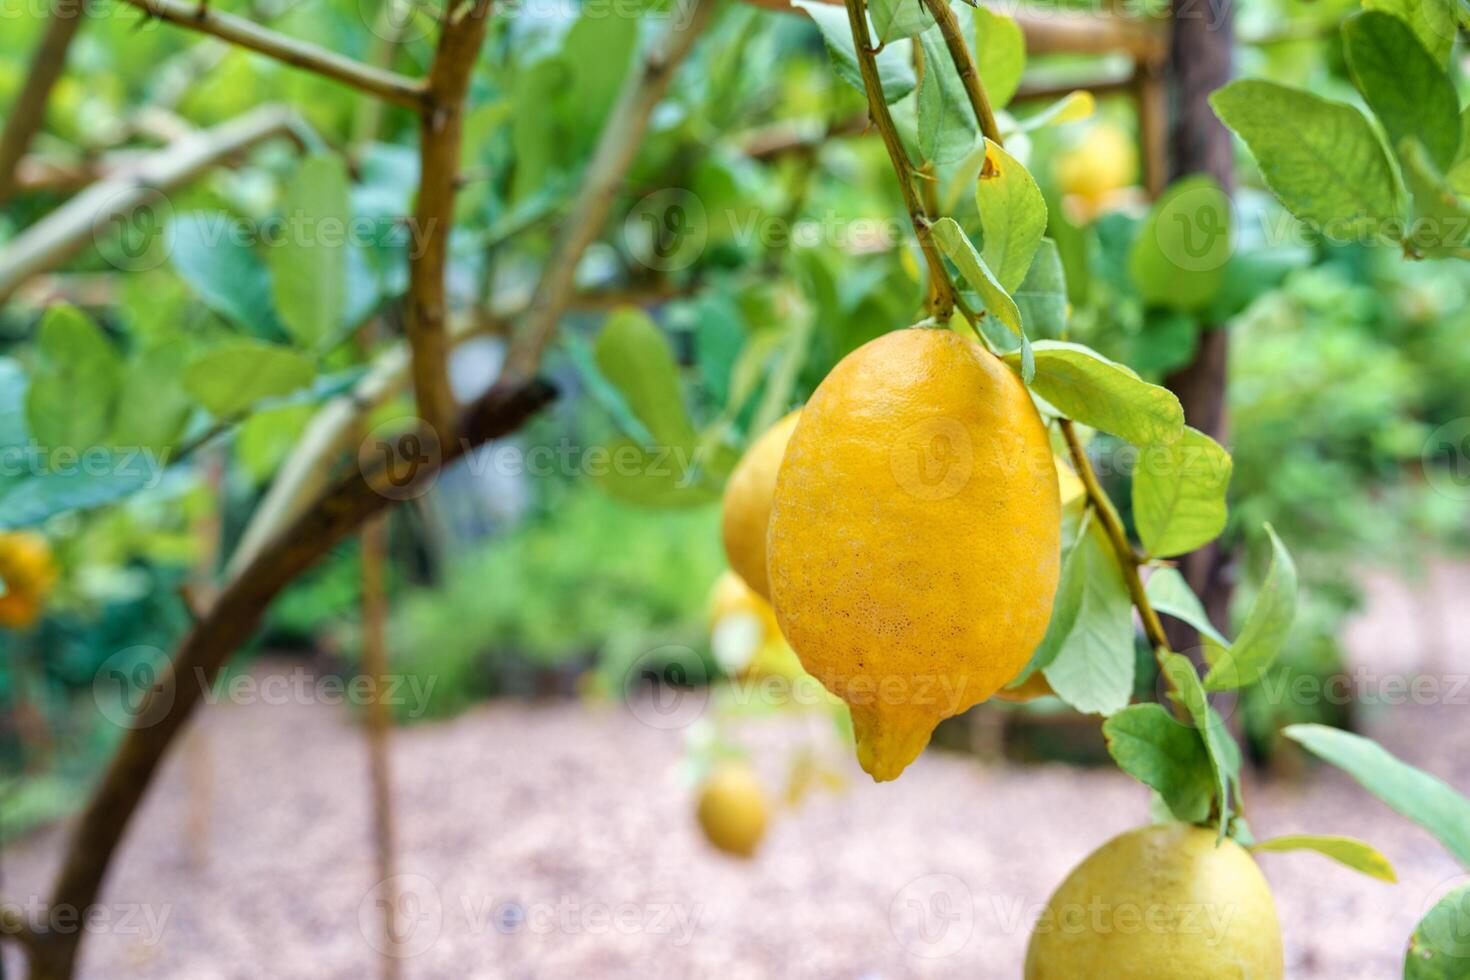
[(1179, 493), (74, 382), (309, 263), (1085, 386), (1012, 216), (1223, 752), (1093, 668), (1152, 746), (1000, 54), (633, 354), (1347, 851), (1265, 630), (954, 243), (1042, 296), (895, 19), (948, 130), (1406, 88), (1321, 158), (1171, 595), (230, 378), (1433, 22), (1440, 947), (895, 61), (223, 270), (1178, 259), (1066, 603), (1416, 794), (1441, 218)]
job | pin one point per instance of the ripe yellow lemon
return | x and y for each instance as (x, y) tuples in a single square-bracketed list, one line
[(1161, 902), (914, 542), (1104, 161), (746, 509), (28, 572), (732, 810), (744, 636)]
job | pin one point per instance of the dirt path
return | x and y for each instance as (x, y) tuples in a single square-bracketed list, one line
[(551, 841)]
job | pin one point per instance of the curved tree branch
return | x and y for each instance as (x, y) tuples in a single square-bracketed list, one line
[(29, 111)]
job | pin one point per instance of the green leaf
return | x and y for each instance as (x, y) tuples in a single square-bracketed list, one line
[(948, 130), (1171, 595), (309, 265), (1441, 219), (1042, 297), (152, 406), (1440, 947), (1087, 387), (896, 19), (1414, 793), (1433, 22), (36, 498), (660, 478), (1150, 745), (1406, 88), (1000, 54), (1266, 628), (267, 437), (954, 243), (895, 61), (1347, 851), (1012, 216), (1065, 605), (1093, 668), (224, 271), (1223, 752), (74, 382), (633, 354), (230, 378), (1072, 107), (1320, 158), (1179, 494), (1178, 259)]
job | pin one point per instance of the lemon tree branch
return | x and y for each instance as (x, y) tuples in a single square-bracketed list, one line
[(29, 111)]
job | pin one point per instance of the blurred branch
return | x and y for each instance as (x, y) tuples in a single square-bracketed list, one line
[(14, 925), (29, 111), (60, 234), (292, 51), (621, 137), (440, 135), (223, 628)]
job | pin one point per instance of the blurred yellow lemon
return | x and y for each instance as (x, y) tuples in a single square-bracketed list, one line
[(732, 809), (1162, 902), (746, 510), (28, 573), (1104, 161), (915, 536)]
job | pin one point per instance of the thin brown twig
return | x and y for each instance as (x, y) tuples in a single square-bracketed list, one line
[(617, 146), (29, 111), (959, 52), (289, 50)]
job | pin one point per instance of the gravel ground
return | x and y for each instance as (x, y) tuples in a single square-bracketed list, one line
[(555, 840)]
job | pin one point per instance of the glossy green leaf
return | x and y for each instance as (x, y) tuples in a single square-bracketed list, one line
[(948, 130), (1320, 158), (895, 61), (1151, 745), (955, 244), (1348, 851), (1012, 216), (1441, 219), (896, 19), (309, 263), (1000, 54), (1432, 21), (1067, 602), (232, 377), (1171, 595), (1085, 386), (1406, 88), (1266, 628), (1223, 752), (1440, 946), (1042, 296), (1093, 668), (633, 354), (1178, 259), (73, 383), (1179, 493), (1414, 793)]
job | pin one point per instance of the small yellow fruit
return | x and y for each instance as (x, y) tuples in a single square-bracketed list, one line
[(28, 572), (744, 635), (747, 505), (915, 536), (1104, 161), (733, 810), (1161, 902)]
